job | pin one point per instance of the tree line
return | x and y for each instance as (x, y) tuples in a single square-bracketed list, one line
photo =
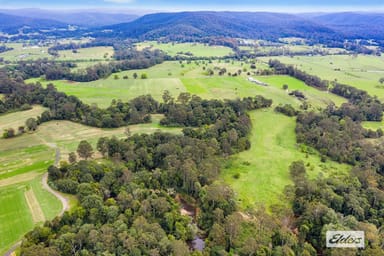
[(53, 70)]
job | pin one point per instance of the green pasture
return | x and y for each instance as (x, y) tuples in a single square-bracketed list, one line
[(15, 215), (179, 77), (233, 87), (360, 71), (35, 158), (91, 53), (102, 92), (17, 119), (264, 169), (197, 49), (25, 52)]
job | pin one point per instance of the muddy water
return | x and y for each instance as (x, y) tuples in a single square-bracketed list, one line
[(197, 243)]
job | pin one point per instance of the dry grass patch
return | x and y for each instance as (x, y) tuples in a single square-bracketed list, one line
[(34, 206)]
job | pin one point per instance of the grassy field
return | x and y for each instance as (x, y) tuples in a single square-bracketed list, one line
[(15, 215), (22, 52), (362, 71), (92, 53), (196, 49), (176, 78), (232, 87), (16, 119), (22, 160), (264, 168)]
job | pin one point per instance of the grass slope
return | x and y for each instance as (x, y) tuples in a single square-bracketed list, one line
[(91, 53), (361, 71), (16, 119), (264, 168), (22, 52), (15, 218), (29, 158)]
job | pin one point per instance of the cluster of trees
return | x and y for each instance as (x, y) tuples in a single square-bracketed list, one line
[(360, 105), (64, 107), (30, 125), (286, 109), (194, 111), (53, 70)]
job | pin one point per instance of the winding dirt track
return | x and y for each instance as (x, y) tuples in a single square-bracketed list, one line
[(64, 201)]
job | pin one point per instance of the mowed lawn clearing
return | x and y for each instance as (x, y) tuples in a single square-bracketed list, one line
[(15, 218), (15, 214), (264, 169)]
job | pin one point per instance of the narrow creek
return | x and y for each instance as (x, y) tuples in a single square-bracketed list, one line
[(197, 243)]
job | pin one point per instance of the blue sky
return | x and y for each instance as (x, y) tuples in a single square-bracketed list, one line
[(292, 5)]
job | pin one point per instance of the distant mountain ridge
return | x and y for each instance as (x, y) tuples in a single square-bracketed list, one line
[(11, 23), (262, 25), (324, 27), (354, 24), (89, 18)]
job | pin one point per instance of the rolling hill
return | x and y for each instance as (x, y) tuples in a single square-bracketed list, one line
[(11, 23), (363, 25)]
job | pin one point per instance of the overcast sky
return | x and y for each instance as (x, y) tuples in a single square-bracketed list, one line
[(290, 5)]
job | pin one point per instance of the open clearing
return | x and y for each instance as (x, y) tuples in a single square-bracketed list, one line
[(17, 119), (264, 169), (196, 49), (177, 78), (25, 52), (361, 71)]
